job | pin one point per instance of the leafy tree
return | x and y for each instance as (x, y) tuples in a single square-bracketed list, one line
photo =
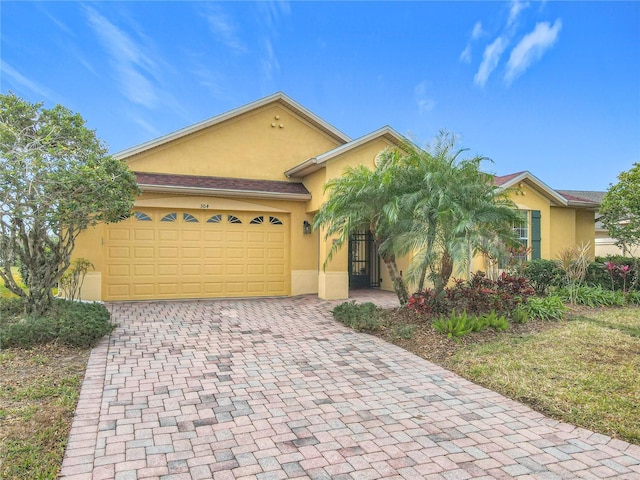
[(620, 209), (55, 181), (454, 212), (365, 200)]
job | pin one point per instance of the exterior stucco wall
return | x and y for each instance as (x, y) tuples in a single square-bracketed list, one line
[(247, 146)]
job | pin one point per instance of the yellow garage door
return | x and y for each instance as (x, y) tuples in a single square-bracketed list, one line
[(162, 254)]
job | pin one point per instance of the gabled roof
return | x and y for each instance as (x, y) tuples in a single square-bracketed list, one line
[(591, 195), (316, 163), (556, 197), (234, 187), (279, 98)]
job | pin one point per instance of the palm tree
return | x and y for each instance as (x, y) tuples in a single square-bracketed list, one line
[(451, 210), (364, 199)]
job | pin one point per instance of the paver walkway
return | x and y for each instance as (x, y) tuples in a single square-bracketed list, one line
[(275, 389)]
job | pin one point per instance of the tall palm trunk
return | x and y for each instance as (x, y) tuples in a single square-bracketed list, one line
[(396, 278), (446, 269)]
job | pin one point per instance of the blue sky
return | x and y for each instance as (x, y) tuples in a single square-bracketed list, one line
[(549, 87)]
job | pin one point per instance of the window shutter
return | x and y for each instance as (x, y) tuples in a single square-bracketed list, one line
[(535, 234)]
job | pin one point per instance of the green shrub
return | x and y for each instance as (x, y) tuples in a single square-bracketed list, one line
[(543, 308), (592, 296), (83, 324), (461, 324), (499, 323), (10, 307), (456, 325), (71, 323), (632, 298), (403, 331), (363, 317), (599, 275), (27, 332), (520, 314), (543, 274)]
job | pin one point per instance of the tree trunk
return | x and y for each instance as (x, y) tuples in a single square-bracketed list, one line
[(446, 269), (398, 282), (423, 277)]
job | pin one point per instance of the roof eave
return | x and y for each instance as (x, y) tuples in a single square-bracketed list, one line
[(196, 127), (555, 197), (222, 192), (312, 165), (303, 169)]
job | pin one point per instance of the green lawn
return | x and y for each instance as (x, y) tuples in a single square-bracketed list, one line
[(585, 372)]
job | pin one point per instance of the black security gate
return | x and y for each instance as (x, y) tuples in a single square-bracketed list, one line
[(364, 261)]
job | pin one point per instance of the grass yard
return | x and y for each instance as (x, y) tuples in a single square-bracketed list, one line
[(584, 371), (39, 390)]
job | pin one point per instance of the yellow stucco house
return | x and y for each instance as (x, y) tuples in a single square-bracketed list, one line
[(227, 206)]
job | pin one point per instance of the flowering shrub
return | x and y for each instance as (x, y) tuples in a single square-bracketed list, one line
[(480, 295)]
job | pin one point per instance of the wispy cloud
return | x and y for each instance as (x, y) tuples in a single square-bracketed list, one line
[(269, 60), (128, 58), (476, 33), (424, 101), (224, 28), (490, 59), (19, 81), (531, 48), (270, 17), (517, 6)]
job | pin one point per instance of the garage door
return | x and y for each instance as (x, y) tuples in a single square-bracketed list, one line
[(162, 254)]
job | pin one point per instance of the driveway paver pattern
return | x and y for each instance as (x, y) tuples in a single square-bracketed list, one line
[(276, 389)]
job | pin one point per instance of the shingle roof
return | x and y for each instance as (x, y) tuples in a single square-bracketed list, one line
[(148, 181), (501, 180), (589, 195)]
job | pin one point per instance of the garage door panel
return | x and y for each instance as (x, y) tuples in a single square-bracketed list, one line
[(115, 270), (215, 236), (255, 253), (168, 252), (142, 235), (235, 236), (256, 237), (211, 252), (275, 269), (165, 269), (275, 237), (276, 253), (234, 269), (148, 258), (191, 236), (168, 235), (119, 234), (143, 289), (187, 269), (118, 252), (255, 269), (256, 288), (191, 288), (140, 253), (213, 269), (191, 252), (234, 252), (235, 287), (144, 270), (274, 287)]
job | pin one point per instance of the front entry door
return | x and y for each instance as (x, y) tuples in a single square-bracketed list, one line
[(364, 261)]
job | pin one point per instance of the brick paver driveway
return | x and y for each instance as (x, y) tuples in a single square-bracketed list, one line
[(275, 389)]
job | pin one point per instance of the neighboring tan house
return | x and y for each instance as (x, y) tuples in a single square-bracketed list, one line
[(227, 206), (605, 244)]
